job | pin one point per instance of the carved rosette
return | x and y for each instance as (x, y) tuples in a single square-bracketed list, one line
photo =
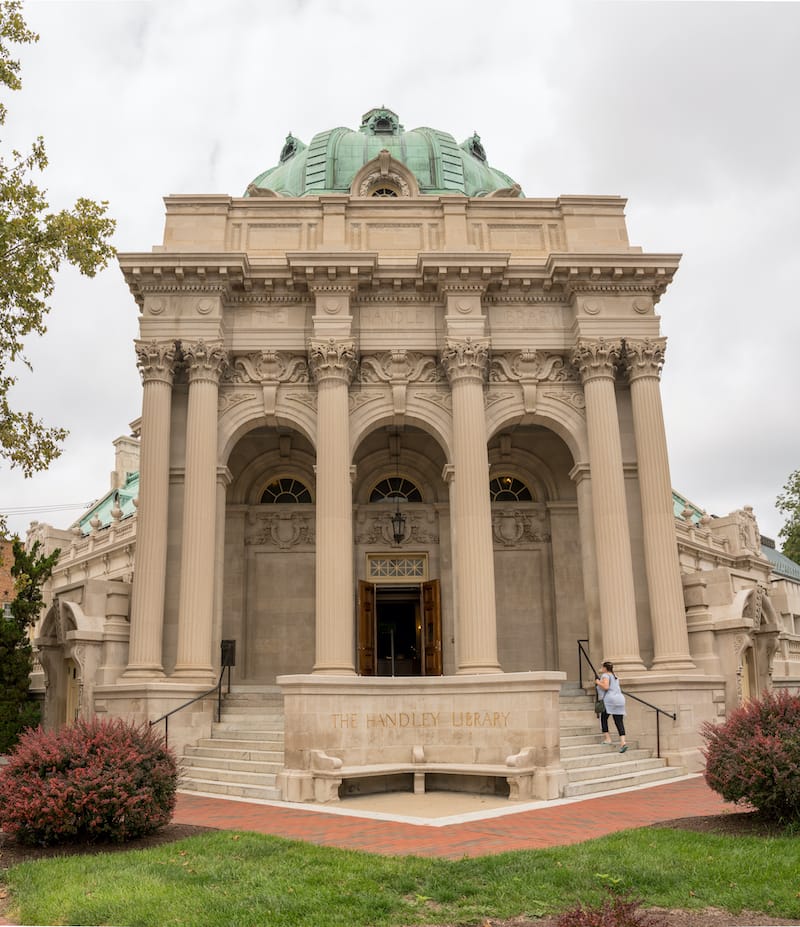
[(467, 359), (644, 358), (596, 359), (332, 359), (204, 361), (156, 360)]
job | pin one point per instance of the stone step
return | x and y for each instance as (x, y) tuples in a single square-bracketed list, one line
[(267, 721), (202, 760), (233, 776), (620, 767), (232, 790), (232, 753), (274, 742), (596, 756), (621, 781), (223, 731)]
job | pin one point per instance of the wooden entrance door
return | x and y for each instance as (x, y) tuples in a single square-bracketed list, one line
[(366, 629), (432, 627)]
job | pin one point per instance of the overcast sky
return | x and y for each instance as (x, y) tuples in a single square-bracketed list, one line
[(688, 109)]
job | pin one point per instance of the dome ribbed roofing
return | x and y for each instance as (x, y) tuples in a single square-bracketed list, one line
[(330, 162)]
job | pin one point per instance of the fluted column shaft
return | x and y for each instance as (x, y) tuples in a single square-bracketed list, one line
[(155, 362), (466, 365), (204, 363), (333, 364), (596, 361), (643, 361)]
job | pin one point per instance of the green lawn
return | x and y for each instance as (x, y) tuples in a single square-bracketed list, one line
[(229, 878)]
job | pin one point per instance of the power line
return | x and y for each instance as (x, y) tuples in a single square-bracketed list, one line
[(40, 509)]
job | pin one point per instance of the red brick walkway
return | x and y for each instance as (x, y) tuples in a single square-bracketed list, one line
[(526, 830)]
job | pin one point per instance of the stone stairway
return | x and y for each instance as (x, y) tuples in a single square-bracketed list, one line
[(244, 754), (592, 767)]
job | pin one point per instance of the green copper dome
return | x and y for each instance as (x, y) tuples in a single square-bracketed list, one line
[(330, 163)]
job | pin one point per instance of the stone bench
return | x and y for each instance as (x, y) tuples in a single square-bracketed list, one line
[(525, 781)]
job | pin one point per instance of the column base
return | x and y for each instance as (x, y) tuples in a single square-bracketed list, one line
[(333, 669), (675, 664), (202, 675), (627, 666), (144, 671), (476, 668)]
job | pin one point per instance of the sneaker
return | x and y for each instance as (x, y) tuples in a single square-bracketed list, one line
[(608, 743), (623, 748)]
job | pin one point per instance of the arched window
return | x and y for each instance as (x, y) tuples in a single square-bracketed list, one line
[(384, 190), (507, 488), (286, 489), (395, 489)]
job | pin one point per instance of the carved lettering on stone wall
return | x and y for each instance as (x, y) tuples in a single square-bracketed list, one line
[(283, 530), (530, 317), (403, 317)]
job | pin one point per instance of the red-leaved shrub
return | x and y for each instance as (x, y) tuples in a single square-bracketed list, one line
[(94, 780), (614, 911), (754, 757)]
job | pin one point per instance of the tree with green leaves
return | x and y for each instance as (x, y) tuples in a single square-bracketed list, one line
[(30, 571), (34, 242), (788, 502)]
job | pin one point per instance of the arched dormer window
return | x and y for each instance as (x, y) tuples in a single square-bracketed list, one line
[(286, 489), (507, 488), (395, 489)]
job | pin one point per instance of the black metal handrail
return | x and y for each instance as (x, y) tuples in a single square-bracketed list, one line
[(582, 653), (217, 688)]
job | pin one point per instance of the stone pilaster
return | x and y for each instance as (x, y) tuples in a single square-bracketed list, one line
[(466, 364), (596, 361), (156, 364), (643, 362), (333, 363), (204, 364)]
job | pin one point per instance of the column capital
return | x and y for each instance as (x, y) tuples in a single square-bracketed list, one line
[(596, 358), (204, 360), (644, 357), (332, 359), (466, 359), (156, 360)]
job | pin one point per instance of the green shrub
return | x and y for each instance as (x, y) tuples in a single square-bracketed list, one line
[(754, 757), (94, 780)]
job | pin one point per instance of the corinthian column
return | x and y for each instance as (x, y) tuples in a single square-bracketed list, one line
[(466, 363), (155, 362), (333, 363), (643, 361), (596, 361), (204, 364)]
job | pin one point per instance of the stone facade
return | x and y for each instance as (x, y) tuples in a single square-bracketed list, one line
[(406, 450)]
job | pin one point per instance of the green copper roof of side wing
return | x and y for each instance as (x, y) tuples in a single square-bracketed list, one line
[(332, 159)]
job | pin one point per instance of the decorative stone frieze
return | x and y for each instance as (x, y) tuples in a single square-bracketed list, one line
[(376, 528), (530, 365), (269, 366), (399, 365), (332, 359), (519, 528), (284, 530)]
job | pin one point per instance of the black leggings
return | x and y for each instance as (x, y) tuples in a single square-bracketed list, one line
[(618, 720)]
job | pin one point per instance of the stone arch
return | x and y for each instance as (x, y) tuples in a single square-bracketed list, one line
[(247, 486), (236, 421), (384, 171), (568, 422), (430, 418)]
